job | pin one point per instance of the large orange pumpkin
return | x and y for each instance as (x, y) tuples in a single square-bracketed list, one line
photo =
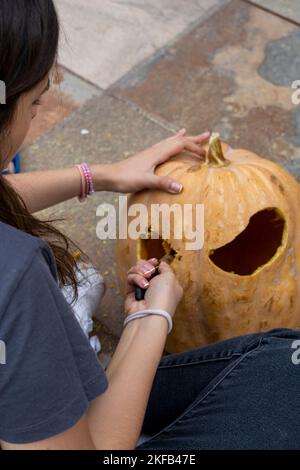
[(246, 278)]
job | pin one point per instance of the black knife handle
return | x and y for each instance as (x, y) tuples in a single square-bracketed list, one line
[(139, 292)]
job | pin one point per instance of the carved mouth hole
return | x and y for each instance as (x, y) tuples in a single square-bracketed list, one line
[(253, 247), (155, 248)]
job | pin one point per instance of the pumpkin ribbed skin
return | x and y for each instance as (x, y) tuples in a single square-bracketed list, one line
[(218, 304)]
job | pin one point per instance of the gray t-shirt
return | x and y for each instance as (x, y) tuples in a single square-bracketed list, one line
[(51, 372)]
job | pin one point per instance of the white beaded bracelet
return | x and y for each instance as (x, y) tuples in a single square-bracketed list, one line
[(145, 313)]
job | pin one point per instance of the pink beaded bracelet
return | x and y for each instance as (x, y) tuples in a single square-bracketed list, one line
[(87, 181)]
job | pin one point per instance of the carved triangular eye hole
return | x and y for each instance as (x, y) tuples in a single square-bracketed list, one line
[(155, 248), (255, 246)]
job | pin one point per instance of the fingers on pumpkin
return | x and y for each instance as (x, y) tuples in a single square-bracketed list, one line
[(166, 184), (192, 147), (200, 139)]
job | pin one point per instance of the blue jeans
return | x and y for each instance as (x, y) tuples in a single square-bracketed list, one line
[(243, 393)]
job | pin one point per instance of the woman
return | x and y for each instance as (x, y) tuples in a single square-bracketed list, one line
[(242, 393)]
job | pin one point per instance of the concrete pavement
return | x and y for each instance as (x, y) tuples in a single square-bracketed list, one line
[(289, 9), (107, 38)]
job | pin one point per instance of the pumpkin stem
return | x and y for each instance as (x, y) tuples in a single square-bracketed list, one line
[(214, 155)]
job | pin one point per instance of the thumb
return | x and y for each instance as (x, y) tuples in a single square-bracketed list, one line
[(165, 268), (167, 184)]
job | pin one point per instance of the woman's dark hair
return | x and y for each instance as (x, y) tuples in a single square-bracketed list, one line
[(29, 35)]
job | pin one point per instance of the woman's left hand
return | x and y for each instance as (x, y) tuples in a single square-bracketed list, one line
[(138, 172)]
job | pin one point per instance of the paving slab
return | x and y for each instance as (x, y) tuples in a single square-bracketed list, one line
[(233, 74), (289, 9), (67, 93), (116, 130), (103, 39)]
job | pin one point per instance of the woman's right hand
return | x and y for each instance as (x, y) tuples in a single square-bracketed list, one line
[(163, 291)]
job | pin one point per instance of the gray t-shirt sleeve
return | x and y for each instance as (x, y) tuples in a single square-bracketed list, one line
[(51, 372)]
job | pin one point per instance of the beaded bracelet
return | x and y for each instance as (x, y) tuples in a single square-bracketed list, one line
[(83, 194), (145, 313), (87, 181)]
